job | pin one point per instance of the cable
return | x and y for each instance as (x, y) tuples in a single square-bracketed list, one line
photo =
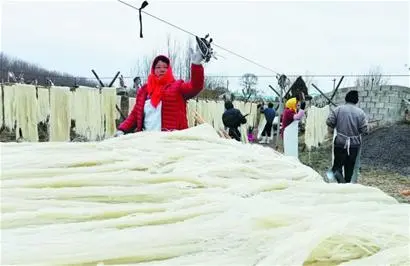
[(243, 57), (215, 76), (188, 32), (295, 76), (316, 76), (160, 19)]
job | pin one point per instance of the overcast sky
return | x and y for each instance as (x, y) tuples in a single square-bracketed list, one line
[(323, 38)]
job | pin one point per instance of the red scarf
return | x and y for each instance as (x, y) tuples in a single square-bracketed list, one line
[(155, 85)]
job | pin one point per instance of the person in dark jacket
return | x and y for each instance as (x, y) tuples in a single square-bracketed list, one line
[(232, 119), (269, 116), (350, 123)]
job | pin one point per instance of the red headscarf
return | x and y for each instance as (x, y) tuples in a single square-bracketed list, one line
[(155, 84)]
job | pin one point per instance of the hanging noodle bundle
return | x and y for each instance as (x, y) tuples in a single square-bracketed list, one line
[(201, 109), (118, 115), (191, 108), (108, 102), (251, 109), (9, 106), (220, 109), (60, 113), (43, 101), (208, 113), (73, 105), (26, 112), (88, 113), (1, 107), (188, 198), (316, 128)]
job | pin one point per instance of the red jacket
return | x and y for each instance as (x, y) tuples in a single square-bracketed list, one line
[(173, 97), (287, 119)]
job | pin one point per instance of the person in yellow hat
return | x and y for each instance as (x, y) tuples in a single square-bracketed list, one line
[(291, 112), (292, 104)]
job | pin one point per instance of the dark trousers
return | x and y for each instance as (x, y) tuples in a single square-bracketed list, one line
[(234, 133), (342, 159), (267, 129)]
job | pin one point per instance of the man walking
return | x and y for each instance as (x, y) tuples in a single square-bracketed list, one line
[(350, 123)]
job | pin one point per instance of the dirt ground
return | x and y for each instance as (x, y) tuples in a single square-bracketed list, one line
[(388, 148), (385, 159), (391, 182)]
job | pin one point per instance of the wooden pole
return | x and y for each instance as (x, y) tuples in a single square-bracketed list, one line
[(280, 111), (335, 89), (274, 90), (324, 95)]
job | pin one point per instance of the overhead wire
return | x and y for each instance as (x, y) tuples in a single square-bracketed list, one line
[(233, 53), (213, 76), (216, 76), (247, 59), (190, 33), (226, 50)]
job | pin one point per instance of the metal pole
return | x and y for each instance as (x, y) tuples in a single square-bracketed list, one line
[(324, 95), (102, 85), (113, 80), (335, 89), (99, 80), (3, 121), (280, 111), (274, 90)]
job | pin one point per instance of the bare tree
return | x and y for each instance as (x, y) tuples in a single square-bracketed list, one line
[(177, 53), (143, 65), (146, 65), (172, 48), (248, 82), (309, 80), (31, 72), (373, 78), (187, 59), (215, 82), (180, 57), (214, 87)]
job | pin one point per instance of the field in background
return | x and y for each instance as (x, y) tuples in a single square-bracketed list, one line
[(384, 162)]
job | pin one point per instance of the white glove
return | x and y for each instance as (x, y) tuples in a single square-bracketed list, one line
[(196, 57), (118, 133)]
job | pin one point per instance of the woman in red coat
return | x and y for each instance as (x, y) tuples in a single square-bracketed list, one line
[(161, 103), (291, 114)]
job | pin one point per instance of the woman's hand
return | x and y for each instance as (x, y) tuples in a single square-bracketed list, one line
[(196, 57)]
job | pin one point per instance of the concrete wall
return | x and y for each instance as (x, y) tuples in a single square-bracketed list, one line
[(383, 104)]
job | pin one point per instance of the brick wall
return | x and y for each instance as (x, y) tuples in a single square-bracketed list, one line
[(381, 103)]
